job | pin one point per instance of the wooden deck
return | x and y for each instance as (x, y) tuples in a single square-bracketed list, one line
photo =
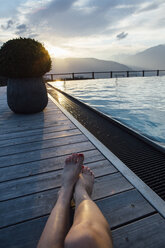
[(33, 149)]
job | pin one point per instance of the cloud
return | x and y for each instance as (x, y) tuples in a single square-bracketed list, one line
[(21, 29), (8, 8), (65, 17), (32, 35), (121, 36), (80, 24), (79, 18), (8, 25), (63, 22), (61, 5), (160, 23), (151, 5), (24, 30)]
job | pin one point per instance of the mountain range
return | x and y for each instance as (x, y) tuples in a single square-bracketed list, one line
[(85, 65), (151, 58)]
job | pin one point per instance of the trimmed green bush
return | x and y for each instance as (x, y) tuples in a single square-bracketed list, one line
[(3, 81), (24, 57)]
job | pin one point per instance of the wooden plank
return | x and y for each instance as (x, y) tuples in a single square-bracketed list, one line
[(101, 168), (4, 103), (39, 174), (40, 124), (124, 207), (148, 232), (39, 137), (3, 90), (53, 132), (34, 146), (138, 238), (20, 209), (13, 118), (45, 153), (25, 235), (25, 125), (92, 159), (110, 185), (42, 141), (60, 126), (17, 211), (36, 183)]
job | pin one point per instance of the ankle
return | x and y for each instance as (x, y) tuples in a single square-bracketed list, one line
[(81, 196), (65, 193)]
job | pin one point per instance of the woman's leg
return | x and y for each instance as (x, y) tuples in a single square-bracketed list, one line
[(90, 229), (57, 225)]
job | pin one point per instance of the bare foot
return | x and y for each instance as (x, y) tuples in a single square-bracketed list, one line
[(84, 185), (71, 171)]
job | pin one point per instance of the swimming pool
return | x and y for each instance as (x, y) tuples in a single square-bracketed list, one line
[(136, 102)]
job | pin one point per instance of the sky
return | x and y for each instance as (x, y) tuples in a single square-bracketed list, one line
[(103, 29)]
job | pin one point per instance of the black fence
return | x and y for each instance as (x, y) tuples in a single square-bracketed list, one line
[(103, 74)]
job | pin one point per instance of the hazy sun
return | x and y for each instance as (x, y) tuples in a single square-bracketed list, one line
[(56, 52)]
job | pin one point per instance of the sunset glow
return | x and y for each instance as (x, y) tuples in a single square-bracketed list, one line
[(56, 52), (85, 28)]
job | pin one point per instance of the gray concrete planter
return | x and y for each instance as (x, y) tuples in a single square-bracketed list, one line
[(26, 95)]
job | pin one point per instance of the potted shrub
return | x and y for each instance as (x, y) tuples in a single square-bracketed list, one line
[(24, 61)]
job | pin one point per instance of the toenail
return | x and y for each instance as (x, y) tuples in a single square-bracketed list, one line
[(81, 155)]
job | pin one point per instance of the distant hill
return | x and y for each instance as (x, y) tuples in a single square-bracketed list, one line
[(152, 58), (85, 65)]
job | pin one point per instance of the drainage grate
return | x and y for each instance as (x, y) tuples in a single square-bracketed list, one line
[(144, 158)]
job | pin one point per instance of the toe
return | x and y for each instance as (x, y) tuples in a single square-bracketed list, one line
[(80, 159), (74, 158), (69, 159), (89, 170), (85, 169)]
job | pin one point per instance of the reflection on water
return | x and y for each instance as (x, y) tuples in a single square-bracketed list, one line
[(59, 97), (136, 102), (61, 85)]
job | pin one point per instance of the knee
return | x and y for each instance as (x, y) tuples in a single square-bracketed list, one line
[(81, 240)]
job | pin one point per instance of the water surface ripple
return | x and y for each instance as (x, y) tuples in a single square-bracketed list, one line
[(137, 102)]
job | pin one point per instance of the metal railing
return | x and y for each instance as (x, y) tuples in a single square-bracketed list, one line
[(102, 74)]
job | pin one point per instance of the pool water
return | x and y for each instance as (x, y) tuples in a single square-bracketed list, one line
[(136, 102)]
